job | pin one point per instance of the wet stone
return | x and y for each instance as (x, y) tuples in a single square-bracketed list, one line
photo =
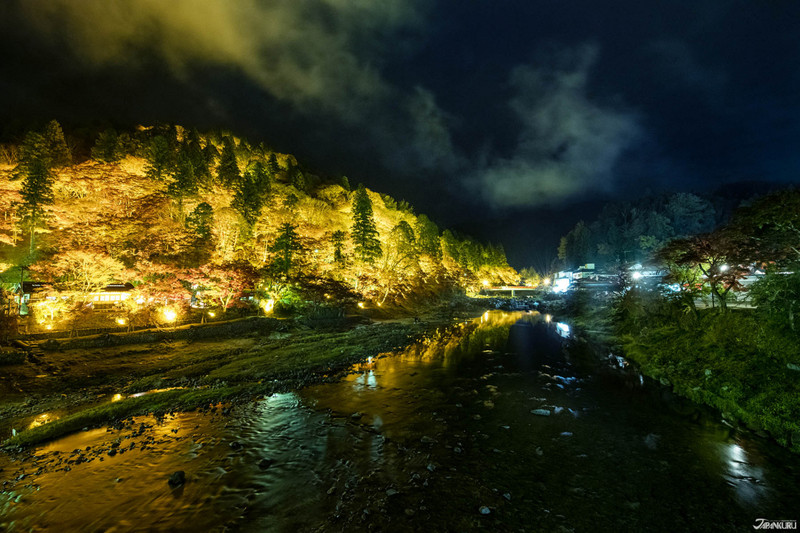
[(177, 478)]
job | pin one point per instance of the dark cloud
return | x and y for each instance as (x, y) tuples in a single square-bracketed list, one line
[(568, 144), (458, 107)]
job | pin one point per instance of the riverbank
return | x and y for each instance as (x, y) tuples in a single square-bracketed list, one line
[(731, 362), (91, 384)]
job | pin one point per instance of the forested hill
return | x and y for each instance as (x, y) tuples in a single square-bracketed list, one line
[(167, 209)]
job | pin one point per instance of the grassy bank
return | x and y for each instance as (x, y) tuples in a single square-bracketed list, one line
[(225, 370), (734, 362)]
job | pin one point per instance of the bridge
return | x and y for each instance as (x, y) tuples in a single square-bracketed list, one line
[(514, 290)]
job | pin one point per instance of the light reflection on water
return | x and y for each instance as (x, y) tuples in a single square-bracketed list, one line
[(422, 438)]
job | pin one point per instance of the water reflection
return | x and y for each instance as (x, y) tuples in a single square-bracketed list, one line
[(498, 413)]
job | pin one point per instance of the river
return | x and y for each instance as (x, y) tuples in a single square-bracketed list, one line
[(502, 423)]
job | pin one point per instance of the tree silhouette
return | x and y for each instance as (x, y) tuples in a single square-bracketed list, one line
[(34, 169), (228, 170), (366, 242)]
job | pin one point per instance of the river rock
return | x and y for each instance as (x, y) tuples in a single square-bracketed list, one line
[(540, 412), (427, 440), (484, 510), (177, 478), (792, 366), (263, 464)]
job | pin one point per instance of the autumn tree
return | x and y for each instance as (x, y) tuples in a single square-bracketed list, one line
[(719, 256), (60, 154), (400, 257), (428, 237), (223, 284), (84, 272), (36, 173), (366, 241)]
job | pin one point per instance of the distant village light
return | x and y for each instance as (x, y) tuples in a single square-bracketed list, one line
[(121, 321), (212, 314), (361, 305), (170, 315)]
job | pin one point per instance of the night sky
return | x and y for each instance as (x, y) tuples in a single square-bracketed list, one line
[(509, 120)]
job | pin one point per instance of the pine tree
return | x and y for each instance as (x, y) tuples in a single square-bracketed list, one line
[(106, 149), (285, 247), (337, 240), (200, 220), (160, 159), (35, 171), (57, 144), (272, 165), (251, 192), (184, 182), (228, 171), (366, 242)]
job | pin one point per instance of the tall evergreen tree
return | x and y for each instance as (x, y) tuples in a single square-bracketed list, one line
[(35, 171), (272, 165), (228, 170), (285, 247), (337, 240), (200, 221), (184, 182), (366, 242), (251, 192), (57, 144), (106, 148), (160, 158)]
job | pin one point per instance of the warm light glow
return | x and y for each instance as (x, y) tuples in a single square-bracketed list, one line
[(42, 419), (546, 281), (121, 321), (548, 318), (117, 397), (361, 305), (212, 314), (485, 283), (268, 305), (723, 268), (49, 326), (379, 304), (169, 315)]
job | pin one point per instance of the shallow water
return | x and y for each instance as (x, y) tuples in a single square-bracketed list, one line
[(440, 437)]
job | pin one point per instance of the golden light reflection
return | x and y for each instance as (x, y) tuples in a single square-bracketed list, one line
[(548, 318), (361, 305), (169, 314), (121, 321), (268, 305), (117, 397), (42, 419)]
